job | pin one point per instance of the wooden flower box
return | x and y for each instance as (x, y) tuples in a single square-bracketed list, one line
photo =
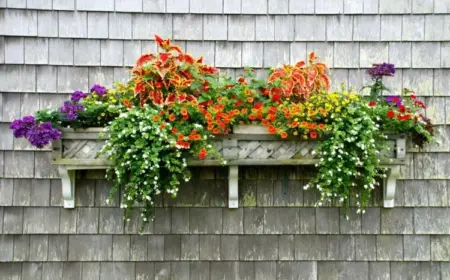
[(248, 145)]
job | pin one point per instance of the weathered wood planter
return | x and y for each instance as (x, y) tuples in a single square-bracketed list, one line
[(248, 145)]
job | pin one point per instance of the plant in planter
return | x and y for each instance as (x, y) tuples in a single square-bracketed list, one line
[(174, 106)]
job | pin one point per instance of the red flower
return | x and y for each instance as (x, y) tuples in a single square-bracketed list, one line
[(276, 97), (284, 134), (313, 134), (241, 80), (272, 129), (185, 117), (184, 112), (372, 103), (158, 85), (205, 86), (172, 118), (402, 108), (390, 114), (174, 130), (202, 154), (258, 106), (413, 96)]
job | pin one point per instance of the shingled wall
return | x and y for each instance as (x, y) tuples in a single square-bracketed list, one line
[(50, 48)]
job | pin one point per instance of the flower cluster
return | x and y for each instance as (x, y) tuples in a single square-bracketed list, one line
[(71, 110), (38, 135), (378, 71), (98, 89)]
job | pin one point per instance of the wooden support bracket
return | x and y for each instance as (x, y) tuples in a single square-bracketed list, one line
[(233, 194), (68, 185), (389, 183)]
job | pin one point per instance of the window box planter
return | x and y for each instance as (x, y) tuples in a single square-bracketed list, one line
[(248, 145)]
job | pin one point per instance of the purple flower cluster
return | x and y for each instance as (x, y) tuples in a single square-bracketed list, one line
[(100, 90), (394, 99), (78, 95), (70, 110), (38, 135), (380, 70)]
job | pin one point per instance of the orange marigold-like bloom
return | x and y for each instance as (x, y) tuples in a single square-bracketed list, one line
[(244, 111), (174, 130), (155, 118), (202, 154), (321, 126), (272, 129), (197, 137), (216, 131), (180, 137), (172, 118), (252, 117), (250, 100), (284, 134), (183, 112), (303, 124)]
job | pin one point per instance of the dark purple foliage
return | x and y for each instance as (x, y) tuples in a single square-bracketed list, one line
[(78, 95), (70, 110), (38, 135), (380, 70), (394, 99), (100, 90)]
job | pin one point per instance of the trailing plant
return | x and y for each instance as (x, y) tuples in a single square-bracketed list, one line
[(173, 106)]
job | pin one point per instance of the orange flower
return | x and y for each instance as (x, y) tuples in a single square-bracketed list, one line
[(197, 137), (265, 122), (294, 124), (216, 131), (244, 111), (303, 124), (210, 127), (202, 154), (250, 99), (284, 134), (184, 112), (127, 103), (174, 130), (162, 126), (321, 126), (172, 118), (252, 117), (185, 117), (155, 118), (180, 137), (272, 129), (162, 113)]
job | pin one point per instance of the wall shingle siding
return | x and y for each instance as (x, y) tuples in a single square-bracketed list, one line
[(49, 48)]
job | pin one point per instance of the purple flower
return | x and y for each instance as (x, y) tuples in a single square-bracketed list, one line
[(394, 99), (21, 127), (100, 90), (71, 110), (78, 95), (38, 135), (380, 70), (42, 134)]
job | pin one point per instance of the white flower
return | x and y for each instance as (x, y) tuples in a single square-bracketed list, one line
[(145, 219), (305, 187), (107, 201), (156, 178), (148, 198)]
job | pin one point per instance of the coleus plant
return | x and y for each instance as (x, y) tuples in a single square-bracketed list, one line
[(174, 104)]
